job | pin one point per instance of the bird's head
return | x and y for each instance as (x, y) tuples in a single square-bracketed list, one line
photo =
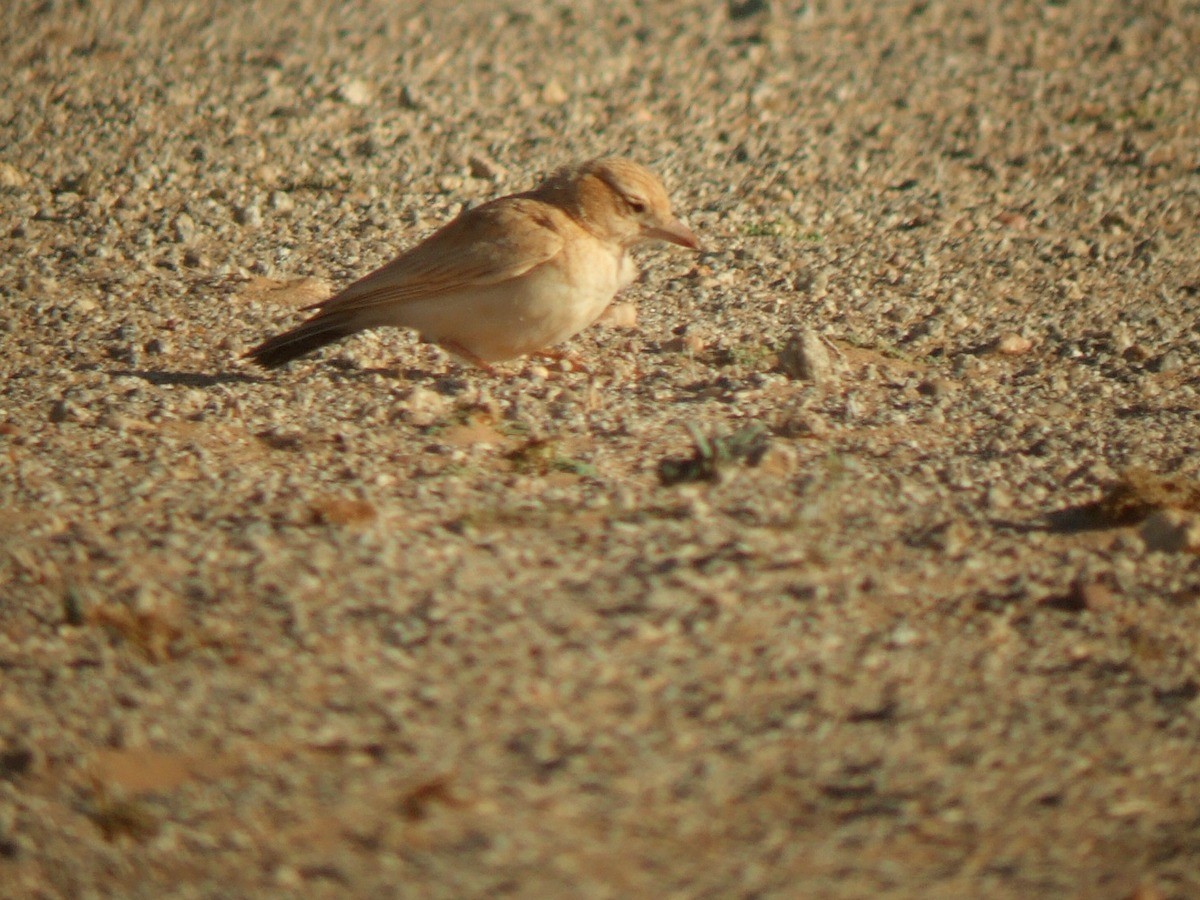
[(622, 201)]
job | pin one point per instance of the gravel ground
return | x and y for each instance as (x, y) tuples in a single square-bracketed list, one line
[(721, 612)]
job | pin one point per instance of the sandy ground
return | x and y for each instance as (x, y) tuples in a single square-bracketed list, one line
[(381, 625)]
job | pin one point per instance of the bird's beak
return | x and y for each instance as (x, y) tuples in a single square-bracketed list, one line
[(673, 231)]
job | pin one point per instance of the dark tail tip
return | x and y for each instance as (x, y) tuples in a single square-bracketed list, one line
[(304, 338)]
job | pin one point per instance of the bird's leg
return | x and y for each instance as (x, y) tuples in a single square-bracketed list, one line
[(463, 353), (834, 348)]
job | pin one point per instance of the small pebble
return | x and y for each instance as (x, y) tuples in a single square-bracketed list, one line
[(806, 357), (249, 215), (355, 91), (1014, 345)]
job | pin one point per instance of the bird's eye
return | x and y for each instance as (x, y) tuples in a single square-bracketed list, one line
[(637, 206)]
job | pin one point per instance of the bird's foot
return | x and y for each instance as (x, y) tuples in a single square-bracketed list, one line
[(567, 362)]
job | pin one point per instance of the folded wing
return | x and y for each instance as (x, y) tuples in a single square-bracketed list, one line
[(491, 244)]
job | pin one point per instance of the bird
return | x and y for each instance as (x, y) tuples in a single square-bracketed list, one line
[(512, 277)]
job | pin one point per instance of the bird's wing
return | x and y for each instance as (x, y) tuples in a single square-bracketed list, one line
[(487, 245)]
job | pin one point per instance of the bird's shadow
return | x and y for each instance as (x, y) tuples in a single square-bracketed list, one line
[(192, 379), (1086, 517), (449, 383)]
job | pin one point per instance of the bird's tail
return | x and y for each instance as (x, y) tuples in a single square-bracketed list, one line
[(321, 329)]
